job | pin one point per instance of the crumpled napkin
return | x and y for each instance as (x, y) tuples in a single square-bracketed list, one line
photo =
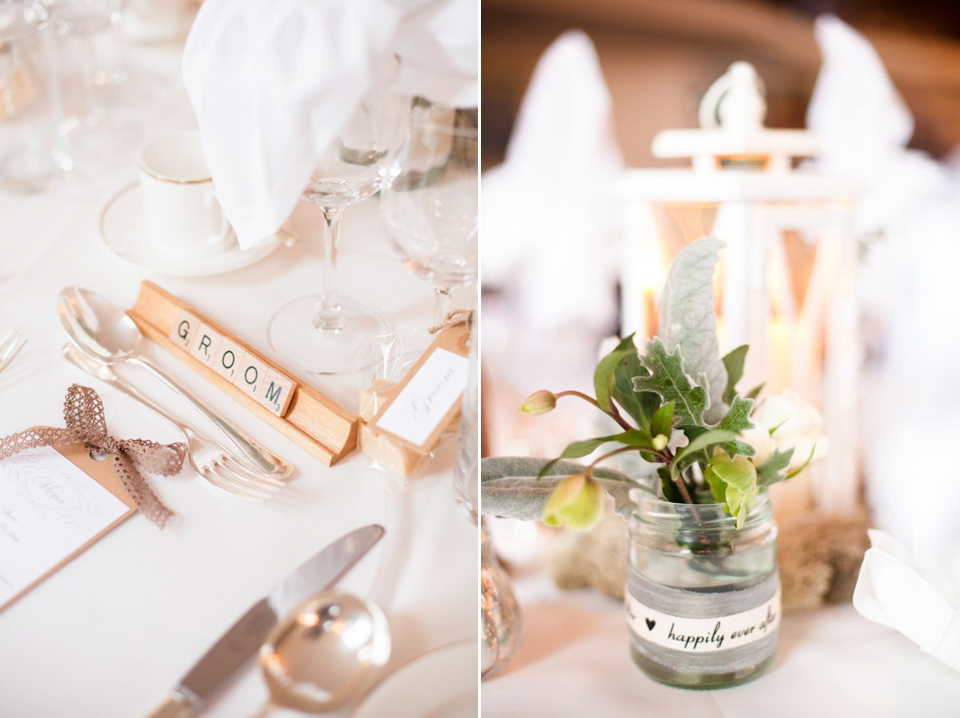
[(864, 126), (273, 81), (547, 214), (897, 590)]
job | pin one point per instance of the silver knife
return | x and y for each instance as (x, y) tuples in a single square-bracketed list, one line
[(243, 639)]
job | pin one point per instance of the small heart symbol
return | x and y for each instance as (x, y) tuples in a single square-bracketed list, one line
[(650, 624)]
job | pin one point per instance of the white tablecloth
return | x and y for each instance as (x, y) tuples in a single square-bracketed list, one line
[(831, 663), (111, 632)]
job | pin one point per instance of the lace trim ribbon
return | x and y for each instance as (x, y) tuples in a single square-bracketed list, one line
[(84, 416)]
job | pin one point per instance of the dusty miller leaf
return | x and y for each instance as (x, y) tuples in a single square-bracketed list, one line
[(736, 420), (687, 319), (669, 380), (509, 487), (774, 468)]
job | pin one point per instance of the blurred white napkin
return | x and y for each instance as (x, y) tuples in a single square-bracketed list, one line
[(547, 214), (273, 81), (864, 125), (896, 590)]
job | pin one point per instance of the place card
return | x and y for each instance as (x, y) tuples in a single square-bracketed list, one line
[(403, 422), (427, 398), (54, 503)]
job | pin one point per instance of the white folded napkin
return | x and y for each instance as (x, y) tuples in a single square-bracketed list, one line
[(895, 589), (273, 81), (548, 217)]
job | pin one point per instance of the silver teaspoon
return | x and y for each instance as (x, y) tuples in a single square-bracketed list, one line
[(105, 331)]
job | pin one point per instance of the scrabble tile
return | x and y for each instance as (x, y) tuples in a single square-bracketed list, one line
[(250, 374), (229, 359), (206, 341), (275, 392), (184, 329)]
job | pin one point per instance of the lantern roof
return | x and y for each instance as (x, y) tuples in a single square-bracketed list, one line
[(732, 134)]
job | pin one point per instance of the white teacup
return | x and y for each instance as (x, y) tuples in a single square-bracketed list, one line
[(181, 213)]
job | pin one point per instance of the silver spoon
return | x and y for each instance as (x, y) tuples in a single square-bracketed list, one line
[(324, 654), (108, 333)]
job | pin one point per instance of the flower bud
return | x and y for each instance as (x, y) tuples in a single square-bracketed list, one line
[(660, 441), (576, 502), (540, 402)]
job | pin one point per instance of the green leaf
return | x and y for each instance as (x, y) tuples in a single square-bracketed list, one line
[(687, 319), (509, 487), (668, 487), (579, 449), (603, 378), (668, 380), (769, 472), (733, 483), (813, 450), (755, 392), (639, 407), (733, 362), (736, 420), (662, 422), (707, 438)]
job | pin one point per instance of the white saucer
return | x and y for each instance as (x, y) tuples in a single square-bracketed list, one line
[(122, 230), (440, 684)]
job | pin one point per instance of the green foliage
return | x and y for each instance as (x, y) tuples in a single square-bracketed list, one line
[(687, 320), (774, 468), (737, 419), (733, 362), (733, 483), (668, 380)]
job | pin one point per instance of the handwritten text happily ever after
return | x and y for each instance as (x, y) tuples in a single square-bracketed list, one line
[(703, 634)]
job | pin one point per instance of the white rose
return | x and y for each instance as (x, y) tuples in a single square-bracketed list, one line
[(787, 422)]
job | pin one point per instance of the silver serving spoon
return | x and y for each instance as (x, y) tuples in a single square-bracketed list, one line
[(324, 654), (108, 333)]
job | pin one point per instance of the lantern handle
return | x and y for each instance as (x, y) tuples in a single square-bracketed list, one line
[(735, 101)]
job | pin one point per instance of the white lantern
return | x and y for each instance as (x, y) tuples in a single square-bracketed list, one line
[(785, 284)]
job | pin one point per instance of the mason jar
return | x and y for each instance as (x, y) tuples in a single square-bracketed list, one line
[(702, 596)]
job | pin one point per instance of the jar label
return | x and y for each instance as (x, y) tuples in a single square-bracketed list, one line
[(703, 635)]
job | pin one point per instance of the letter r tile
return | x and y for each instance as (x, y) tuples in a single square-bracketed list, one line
[(206, 341), (184, 328)]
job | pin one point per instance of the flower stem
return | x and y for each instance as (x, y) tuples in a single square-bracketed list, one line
[(615, 415)]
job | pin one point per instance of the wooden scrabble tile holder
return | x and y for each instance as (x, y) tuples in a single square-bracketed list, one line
[(315, 422)]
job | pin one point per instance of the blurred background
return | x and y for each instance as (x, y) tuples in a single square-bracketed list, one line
[(563, 144)]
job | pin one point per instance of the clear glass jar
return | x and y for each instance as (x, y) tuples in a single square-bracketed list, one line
[(703, 597)]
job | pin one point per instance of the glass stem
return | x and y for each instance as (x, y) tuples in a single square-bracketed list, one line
[(330, 315), (444, 299)]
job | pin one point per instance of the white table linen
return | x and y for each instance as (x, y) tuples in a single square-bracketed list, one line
[(111, 632), (831, 663)]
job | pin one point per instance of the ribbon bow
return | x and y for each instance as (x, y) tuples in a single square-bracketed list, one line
[(83, 412)]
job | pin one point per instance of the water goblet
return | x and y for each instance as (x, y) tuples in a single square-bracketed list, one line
[(429, 208), (329, 333)]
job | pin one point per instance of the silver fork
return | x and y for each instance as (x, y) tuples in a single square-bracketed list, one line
[(10, 346), (210, 460)]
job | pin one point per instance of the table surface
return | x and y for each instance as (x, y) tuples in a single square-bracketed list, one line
[(831, 662), (112, 631)]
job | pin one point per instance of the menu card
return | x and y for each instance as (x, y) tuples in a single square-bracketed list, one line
[(54, 502)]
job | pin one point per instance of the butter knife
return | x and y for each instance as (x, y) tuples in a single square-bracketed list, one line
[(242, 641)]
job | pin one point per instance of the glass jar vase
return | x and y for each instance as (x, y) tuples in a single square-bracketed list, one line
[(703, 597)]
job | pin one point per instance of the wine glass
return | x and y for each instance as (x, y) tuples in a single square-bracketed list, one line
[(90, 44), (328, 333), (430, 206)]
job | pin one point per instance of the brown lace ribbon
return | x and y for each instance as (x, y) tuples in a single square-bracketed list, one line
[(457, 316), (83, 412)]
